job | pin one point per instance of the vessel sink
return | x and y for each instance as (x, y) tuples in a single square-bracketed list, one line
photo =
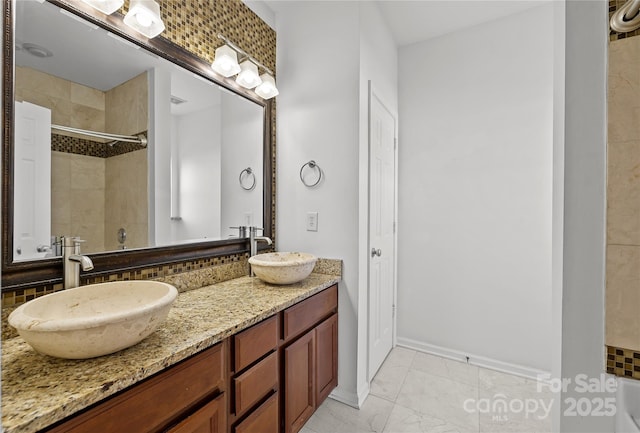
[(93, 320), (282, 268)]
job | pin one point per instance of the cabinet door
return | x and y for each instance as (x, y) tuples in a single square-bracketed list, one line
[(208, 419), (299, 379), (326, 358), (263, 420)]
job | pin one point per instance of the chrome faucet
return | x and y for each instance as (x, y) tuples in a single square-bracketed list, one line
[(72, 261), (253, 240)]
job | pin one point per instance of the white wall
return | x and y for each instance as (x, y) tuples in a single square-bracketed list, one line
[(199, 162), (242, 147), (475, 192), (318, 75), (326, 53)]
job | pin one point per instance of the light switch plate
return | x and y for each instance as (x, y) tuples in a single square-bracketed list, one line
[(312, 221)]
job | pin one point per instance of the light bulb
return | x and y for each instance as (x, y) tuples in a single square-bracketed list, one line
[(226, 61), (248, 76), (144, 19), (267, 89)]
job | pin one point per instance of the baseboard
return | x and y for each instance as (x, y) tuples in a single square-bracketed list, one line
[(346, 397), (479, 361)]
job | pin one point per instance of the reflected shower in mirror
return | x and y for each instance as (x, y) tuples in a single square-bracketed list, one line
[(166, 171)]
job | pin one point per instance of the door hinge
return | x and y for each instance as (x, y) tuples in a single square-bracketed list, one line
[(394, 227), (393, 310)]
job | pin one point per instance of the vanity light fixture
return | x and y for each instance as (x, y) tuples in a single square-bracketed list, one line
[(226, 61), (226, 64), (267, 89), (105, 6), (144, 17)]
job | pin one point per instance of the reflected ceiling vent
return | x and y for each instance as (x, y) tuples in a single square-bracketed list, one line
[(37, 50), (177, 101)]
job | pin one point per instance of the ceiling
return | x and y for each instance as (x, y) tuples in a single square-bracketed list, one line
[(412, 21)]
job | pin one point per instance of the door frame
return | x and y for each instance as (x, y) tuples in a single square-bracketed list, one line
[(370, 95)]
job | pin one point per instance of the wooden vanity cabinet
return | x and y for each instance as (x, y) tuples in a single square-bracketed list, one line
[(268, 378), (310, 352), (188, 397)]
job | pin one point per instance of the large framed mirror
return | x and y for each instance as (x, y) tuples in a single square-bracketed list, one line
[(134, 145)]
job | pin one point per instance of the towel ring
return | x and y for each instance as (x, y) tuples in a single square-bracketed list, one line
[(249, 172), (312, 164)]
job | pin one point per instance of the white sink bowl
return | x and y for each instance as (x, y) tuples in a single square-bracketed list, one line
[(282, 268), (93, 320)]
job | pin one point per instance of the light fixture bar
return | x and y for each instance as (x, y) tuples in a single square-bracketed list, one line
[(243, 53)]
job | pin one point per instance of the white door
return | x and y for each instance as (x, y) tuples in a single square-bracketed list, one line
[(381, 231), (32, 182)]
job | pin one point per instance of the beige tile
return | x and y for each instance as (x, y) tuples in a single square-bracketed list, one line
[(42, 83), (63, 229), (88, 96), (60, 209), (84, 117), (623, 192), (60, 171), (87, 172), (127, 106), (88, 206), (624, 90), (623, 297)]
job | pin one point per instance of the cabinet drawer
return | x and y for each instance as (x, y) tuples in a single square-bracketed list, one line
[(155, 403), (255, 342), (307, 313), (263, 420), (208, 419), (255, 383)]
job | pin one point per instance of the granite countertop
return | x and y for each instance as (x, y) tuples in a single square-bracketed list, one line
[(38, 390)]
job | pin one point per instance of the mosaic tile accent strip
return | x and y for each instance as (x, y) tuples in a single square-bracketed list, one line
[(81, 146), (78, 146), (623, 362), (613, 36)]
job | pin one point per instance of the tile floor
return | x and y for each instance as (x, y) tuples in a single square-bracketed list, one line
[(416, 392)]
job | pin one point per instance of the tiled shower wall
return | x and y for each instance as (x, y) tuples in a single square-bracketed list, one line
[(623, 205), (87, 174), (194, 25)]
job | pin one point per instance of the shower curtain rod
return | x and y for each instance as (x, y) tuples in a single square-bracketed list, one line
[(138, 139)]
